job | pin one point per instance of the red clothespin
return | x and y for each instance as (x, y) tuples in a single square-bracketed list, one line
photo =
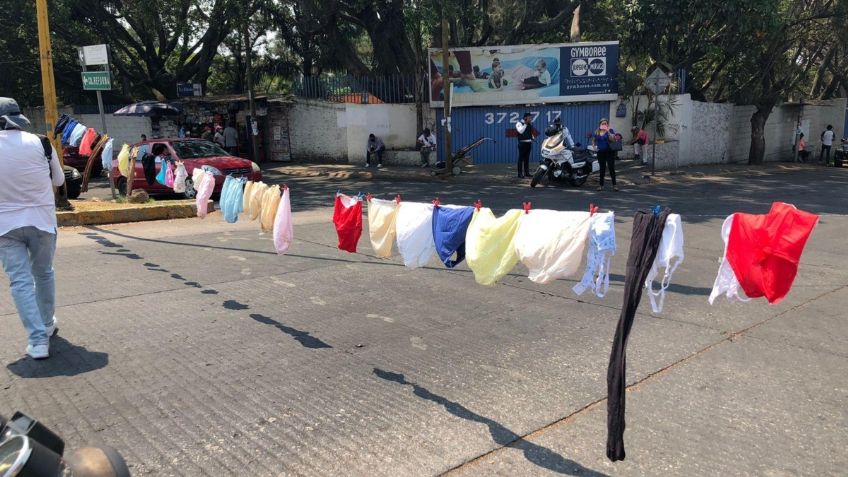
[(437, 202), (397, 199), (592, 209), (527, 206), (368, 197), (478, 205)]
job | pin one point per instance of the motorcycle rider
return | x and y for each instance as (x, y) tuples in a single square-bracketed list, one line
[(557, 126)]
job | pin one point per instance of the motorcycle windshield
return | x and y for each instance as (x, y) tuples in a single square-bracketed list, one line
[(553, 142)]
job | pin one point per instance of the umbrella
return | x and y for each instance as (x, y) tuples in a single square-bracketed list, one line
[(148, 108)]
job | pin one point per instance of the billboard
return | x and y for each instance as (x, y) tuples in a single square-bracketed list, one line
[(526, 74)]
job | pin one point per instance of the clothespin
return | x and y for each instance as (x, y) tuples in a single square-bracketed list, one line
[(657, 209), (397, 199), (368, 197), (478, 205), (437, 202), (338, 192), (527, 206)]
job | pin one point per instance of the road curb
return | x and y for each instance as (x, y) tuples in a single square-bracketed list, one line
[(141, 213)]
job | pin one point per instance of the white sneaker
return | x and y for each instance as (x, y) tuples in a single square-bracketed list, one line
[(38, 351), (52, 329), (379, 166)]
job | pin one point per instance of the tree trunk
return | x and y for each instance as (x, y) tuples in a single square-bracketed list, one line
[(757, 152)]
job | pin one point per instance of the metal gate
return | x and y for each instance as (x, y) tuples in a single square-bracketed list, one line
[(498, 123)]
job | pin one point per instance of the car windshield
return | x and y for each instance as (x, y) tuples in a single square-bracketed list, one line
[(196, 149)]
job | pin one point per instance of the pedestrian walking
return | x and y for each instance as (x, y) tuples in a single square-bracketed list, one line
[(639, 141), (606, 156), (525, 144), (231, 139), (427, 140), (827, 142), (375, 146), (29, 169)]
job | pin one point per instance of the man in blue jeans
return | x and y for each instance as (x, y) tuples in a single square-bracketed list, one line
[(28, 225)]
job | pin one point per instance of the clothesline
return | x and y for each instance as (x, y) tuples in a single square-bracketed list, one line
[(760, 259)]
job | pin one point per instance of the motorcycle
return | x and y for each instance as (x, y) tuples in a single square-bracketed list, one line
[(564, 164)]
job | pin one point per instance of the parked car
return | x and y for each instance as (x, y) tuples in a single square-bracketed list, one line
[(194, 153), (73, 181), (71, 157)]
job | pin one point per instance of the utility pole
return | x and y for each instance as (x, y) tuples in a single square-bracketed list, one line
[(447, 91), (254, 139), (48, 86)]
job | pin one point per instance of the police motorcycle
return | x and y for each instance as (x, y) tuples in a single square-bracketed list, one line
[(563, 164)]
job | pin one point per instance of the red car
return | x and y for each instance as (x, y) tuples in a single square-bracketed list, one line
[(194, 153), (71, 157)]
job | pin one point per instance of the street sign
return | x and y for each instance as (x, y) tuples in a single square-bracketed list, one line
[(95, 55), (189, 89), (96, 81), (658, 81)]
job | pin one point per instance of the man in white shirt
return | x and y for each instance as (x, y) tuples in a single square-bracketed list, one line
[(827, 142), (231, 139), (28, 224), (376, 147), (428, 145)]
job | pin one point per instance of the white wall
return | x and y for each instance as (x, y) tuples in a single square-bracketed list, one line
[(124, 129), (337, 132), (316, 131)]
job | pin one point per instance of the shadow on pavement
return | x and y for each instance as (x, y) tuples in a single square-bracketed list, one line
[(302, 337), (539, 455), (66, 359)]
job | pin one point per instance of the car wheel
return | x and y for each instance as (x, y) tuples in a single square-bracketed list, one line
[(121, 185), (189, 193)]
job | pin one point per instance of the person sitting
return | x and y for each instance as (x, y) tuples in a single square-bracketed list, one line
[(427, 140), (803, 153), (375, 146), (541, 77), (639, 141)]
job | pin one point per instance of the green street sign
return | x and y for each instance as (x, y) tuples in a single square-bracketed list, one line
[(96, 80)]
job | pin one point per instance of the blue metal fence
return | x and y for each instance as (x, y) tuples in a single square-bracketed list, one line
[(469, 124), (357, 89)]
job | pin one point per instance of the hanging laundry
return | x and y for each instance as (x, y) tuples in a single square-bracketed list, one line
[(106, 155), (489, 246), (762, 253), (161, 176), (450, 226), (76, 135), (414, 226), (124, 160), (204, 188), (347, 217), (669, 257), (270, 202), (63, 121), (69, 129), (87, 142), (180, 176), (231, 199), (284, 224), (601, 248), (169, 174), (246, 194), (551, 243), (148, 164), (257, 193), (381, 225), (644, 243)]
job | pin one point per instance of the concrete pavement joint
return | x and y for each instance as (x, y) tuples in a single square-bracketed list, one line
[(632, 387)]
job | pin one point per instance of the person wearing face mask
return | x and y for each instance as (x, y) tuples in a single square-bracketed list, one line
[(606, 156)]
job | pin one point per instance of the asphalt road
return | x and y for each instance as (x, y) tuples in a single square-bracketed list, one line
[(196, 350)]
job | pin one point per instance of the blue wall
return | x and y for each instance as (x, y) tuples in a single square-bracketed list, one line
[(468, 124)]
